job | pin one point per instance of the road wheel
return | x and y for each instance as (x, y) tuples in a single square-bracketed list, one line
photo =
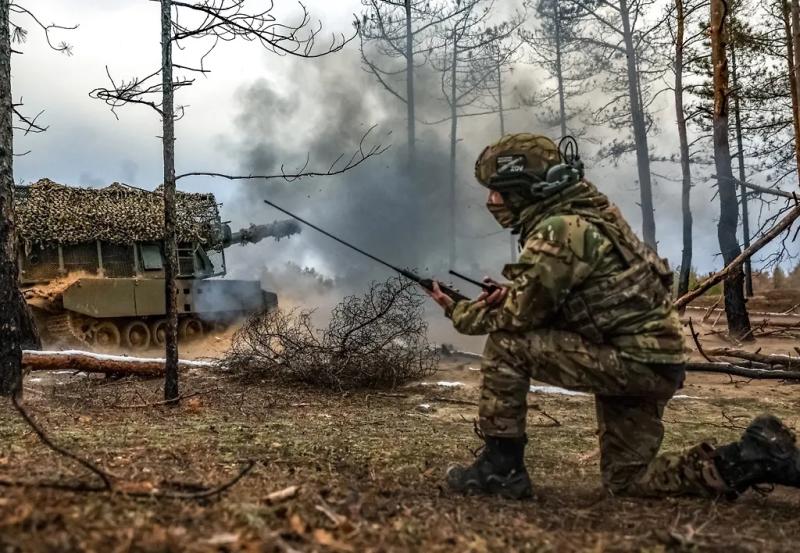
[(190, 329), (107, 335), (158, 332), (136, 335)]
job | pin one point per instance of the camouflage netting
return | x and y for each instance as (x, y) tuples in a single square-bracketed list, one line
[(51, 212)]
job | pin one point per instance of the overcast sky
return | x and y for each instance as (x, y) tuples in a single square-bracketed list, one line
[(87, 145)]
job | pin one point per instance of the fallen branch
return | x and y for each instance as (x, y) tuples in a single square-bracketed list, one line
[(454, 401), (83, 361), (736, 370), (718, 277), (786, 361)]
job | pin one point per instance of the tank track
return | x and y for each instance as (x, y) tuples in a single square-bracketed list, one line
[(65, 328)]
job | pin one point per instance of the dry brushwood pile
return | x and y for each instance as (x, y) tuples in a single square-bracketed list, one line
[(51, 212), (378, 340)]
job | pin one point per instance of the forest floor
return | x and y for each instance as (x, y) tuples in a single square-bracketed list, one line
[(369, 467)]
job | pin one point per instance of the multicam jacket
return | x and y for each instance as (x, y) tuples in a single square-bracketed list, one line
[(583, 269)]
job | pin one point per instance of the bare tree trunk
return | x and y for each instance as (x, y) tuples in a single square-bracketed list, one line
[(792, 79), (410, 107), (748, 270), (500, 100), (785, 11), (639, 133), (796, 69), (512, 239), (735, 306), (453, 140), (171, 391), (686, 171), (562, 116), (10, 350)]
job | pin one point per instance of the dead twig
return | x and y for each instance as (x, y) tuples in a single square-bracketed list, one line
[(164, 402), (108, 485), (60, 450), (281, 495), (554, 421), (455, 401), (711, 310), (696, 338)]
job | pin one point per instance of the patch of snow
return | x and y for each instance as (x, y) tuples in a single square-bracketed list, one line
[(555, 390), (474, 368), (34, 380), (424, 405), (105, 357), (684, 396), (447, 384)]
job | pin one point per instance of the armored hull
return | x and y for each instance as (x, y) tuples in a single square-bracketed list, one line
[(92, 265)]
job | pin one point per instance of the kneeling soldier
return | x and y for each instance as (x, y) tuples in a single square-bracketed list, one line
[(588, 307)]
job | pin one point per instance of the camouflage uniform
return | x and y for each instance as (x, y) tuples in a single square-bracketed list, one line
[(589, 309)]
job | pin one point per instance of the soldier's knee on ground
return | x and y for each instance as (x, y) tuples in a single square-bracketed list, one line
[(691, 473)]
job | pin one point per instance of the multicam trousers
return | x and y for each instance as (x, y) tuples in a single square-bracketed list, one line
[(630, 399)]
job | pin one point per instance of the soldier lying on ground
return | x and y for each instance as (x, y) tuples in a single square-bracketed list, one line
[(588, 308)]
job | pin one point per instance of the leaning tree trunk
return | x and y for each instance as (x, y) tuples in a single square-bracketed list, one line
[(735, 307), (639, 132), (686, 171), (10, 350), (748, 268), (171, 391), (410, 106)]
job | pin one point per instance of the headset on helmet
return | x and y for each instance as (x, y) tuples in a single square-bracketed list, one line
[(512, 174)]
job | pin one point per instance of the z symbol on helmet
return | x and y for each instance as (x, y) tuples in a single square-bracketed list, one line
[(513, 164)]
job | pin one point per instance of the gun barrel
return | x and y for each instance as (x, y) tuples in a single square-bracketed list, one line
[(256, 233)]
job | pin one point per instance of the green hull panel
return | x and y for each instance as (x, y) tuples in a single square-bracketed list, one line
[(131, 297)]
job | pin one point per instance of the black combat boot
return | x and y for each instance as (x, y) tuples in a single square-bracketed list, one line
[(498, 470), (765, 454)]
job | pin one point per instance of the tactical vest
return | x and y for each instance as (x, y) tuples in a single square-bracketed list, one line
[(639, 293)]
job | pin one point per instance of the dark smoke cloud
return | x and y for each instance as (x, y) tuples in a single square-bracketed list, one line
[(382, 206), (397, 213)]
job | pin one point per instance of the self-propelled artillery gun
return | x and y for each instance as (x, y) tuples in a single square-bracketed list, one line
[(92, 264)]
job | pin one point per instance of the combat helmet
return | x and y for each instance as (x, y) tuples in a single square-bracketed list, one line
[(530, 164)]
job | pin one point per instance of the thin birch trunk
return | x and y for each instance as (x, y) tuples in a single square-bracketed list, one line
[(559, 76), (748, 270), (410, 107), (639, 133), (686, 171), (453, 140)]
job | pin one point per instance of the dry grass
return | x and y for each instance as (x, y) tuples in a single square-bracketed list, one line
[(370, 468)]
